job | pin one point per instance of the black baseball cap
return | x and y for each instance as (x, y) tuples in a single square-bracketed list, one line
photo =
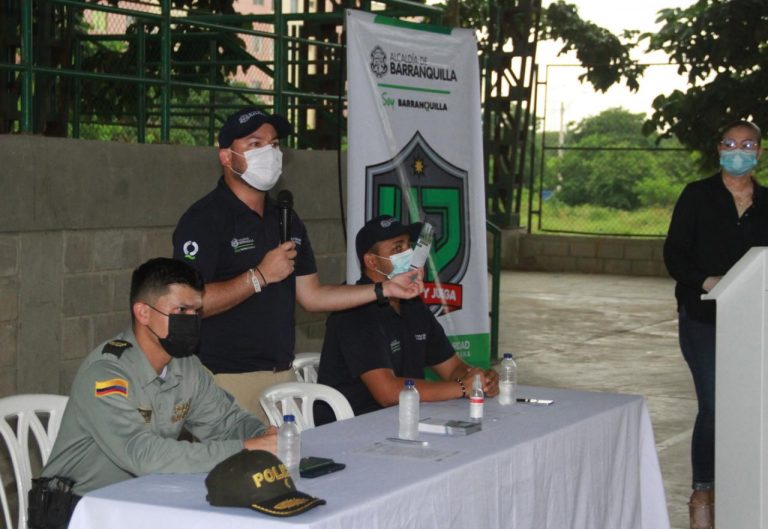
[(259, 480), (382, 228), (247, 120)]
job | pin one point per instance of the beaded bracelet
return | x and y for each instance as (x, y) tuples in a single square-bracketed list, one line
[(460, 382)]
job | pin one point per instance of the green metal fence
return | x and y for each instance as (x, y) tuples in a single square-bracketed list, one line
[(147, 72)]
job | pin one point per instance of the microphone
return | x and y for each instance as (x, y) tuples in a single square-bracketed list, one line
[(285, 209)]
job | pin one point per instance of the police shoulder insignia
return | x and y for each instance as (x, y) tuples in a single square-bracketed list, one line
[(113, 386), (116, 347)]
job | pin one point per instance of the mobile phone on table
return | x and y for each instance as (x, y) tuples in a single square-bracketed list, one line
[(312, 467)]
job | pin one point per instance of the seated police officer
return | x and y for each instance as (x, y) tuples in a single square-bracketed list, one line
[(369, 351), (133, 394)]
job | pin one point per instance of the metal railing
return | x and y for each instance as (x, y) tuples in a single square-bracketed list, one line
[(495, 270), (155, 73)]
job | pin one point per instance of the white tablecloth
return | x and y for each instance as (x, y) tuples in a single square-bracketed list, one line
[(588, 461)]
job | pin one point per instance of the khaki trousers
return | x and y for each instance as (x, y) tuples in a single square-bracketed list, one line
[(247, 387)]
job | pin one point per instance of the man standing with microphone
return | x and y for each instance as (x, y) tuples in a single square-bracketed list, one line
[(234, 237)]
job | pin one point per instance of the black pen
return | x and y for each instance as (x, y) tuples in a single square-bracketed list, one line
[(540, 402)]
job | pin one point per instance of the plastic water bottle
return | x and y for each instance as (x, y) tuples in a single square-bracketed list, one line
[(508, 381), (409, 411), (289, 445), (423, 244), (476, 400)]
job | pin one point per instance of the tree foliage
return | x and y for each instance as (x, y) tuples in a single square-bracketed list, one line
[(612, 164), (604, 55), (722, 48)]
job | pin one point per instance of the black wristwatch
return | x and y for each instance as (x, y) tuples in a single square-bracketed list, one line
[(381, 299)]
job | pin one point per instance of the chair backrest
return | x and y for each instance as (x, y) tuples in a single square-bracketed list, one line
[(297, 399), (24, 412), (305, 366)]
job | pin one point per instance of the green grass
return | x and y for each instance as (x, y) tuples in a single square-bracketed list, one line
[(558, 217)]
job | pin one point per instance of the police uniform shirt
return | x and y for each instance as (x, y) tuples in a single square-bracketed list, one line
[(222, 237), (123, 420), (372, 337)]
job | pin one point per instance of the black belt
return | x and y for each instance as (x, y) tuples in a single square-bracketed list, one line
[(261, 366), (275, 368)]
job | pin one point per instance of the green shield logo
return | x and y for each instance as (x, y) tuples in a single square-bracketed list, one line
[(418, 184)]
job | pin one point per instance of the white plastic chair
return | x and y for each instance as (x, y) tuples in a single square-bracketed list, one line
[(25, 412), (297, 399), (305, 366)]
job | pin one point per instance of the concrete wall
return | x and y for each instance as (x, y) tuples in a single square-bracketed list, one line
[(76, 217), (591, 255)]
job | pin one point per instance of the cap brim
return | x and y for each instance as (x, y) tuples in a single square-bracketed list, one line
[(288, 504)]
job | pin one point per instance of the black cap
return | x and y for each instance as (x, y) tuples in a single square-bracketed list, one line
[(247, 120), (259, 480), (382, 228)]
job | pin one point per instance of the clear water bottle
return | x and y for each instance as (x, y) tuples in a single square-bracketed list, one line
[(289, 445), (423, 244), (409, 411), (507, 381), (476, 400)]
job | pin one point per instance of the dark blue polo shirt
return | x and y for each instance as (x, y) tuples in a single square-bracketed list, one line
[(372, 337), (222, 237)]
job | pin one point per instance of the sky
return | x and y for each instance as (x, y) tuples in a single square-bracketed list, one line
[(579, 100)]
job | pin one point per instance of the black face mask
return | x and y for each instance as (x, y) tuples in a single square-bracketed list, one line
[(183, 334)]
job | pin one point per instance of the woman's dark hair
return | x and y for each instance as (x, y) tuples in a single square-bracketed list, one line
[(152, 279)]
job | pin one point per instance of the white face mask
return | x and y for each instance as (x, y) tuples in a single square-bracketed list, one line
[(263, 167), (401, 263)]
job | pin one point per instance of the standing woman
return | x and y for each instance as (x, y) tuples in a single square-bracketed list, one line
[(715, 221)]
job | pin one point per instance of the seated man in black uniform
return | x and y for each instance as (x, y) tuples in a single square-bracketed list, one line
[(369, 351)]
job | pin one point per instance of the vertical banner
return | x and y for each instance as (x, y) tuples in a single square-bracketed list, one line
[(415, 152)]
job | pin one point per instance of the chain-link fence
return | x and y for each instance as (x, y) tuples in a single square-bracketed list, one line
[(600, 172)]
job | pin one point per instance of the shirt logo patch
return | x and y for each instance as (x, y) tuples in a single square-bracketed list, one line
[(190, 250), (394, 346), (242, 244), (296, 241), (420, 337), (146, 414), (180, 411), (113, 386)]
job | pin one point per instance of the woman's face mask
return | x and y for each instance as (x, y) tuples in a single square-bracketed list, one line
[(738, 162), (401, 263), (263, 167)]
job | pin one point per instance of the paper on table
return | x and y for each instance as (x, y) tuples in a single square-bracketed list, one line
[(405, 451)]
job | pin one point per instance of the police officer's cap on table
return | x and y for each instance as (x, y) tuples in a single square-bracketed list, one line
[(245, 121), (382, 228), (258, 480)]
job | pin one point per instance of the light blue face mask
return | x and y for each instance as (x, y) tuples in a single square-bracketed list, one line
[(401, 262), (738, 162)]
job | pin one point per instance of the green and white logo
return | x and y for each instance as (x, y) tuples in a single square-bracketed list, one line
[(438, 189), (190, 250)]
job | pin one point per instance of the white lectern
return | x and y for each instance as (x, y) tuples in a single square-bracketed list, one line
[(741, 394)]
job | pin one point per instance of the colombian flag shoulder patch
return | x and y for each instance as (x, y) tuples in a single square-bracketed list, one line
[(113, 386)]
